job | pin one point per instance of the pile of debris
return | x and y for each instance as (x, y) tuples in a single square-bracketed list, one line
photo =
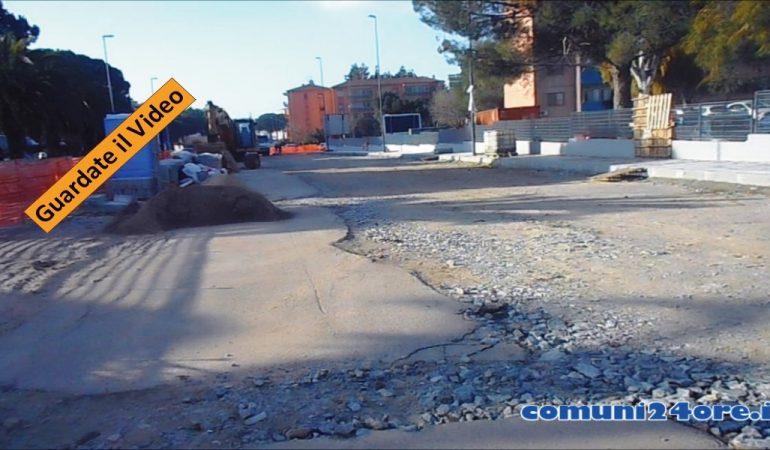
[(221, 200), (625, 174), (186, 167)]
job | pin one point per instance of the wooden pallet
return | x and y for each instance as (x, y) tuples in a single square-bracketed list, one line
[(653, 127), (630, 174)]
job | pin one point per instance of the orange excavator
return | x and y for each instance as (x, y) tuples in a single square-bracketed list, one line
[(221, 126)]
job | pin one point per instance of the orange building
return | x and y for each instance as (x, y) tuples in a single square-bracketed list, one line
[(307, 106), (359, 98)]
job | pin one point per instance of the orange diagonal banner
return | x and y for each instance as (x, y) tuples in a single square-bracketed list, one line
[(105, 159)]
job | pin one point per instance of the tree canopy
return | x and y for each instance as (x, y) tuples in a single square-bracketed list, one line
[(726, 33), (361, 72), (448, 108), (271, 122), (191, 121), (58, 97), (358, 72), (17, 26), (632, 41), (393, 104), (402, 73)]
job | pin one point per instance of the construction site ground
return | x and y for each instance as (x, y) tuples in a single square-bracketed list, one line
[(405, 304)]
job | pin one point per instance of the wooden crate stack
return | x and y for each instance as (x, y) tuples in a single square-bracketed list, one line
[(653, 127)]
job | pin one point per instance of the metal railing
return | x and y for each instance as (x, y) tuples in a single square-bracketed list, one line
[(730, 120), (761, 112), (596, 124)]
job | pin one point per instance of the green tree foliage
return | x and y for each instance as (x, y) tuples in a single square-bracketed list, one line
[(73, 99), (448, 108), (367, 125), (17, 26), (52, 95), (393, 104), (271, 122), (16, 105), (402, 73), (726, 33), (496, 29), (191, 121), (358, 72), (679, 75), (628, 37), (316, 137)]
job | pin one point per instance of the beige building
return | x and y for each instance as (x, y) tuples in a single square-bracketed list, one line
[(556, 92)]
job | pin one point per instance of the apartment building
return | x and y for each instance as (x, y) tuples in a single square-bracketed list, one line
[(553, 89), (307, 106), (359, 98)]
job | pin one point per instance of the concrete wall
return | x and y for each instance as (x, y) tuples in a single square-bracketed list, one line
[(699, 150), (755, 149), (600, 148), (551, 148), (428, 137)]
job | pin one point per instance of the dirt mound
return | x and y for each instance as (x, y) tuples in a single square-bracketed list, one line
[(217, 203)]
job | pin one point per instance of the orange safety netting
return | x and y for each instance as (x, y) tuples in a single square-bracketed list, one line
[(295, 149), (23, 181)]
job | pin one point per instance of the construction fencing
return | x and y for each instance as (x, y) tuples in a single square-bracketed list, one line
[(730, 120), (23, 181)]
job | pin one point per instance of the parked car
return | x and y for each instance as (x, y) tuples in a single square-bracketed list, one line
[(32, 149), (747, 107), (264, 143)]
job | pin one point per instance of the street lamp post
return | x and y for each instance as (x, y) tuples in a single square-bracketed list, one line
[(321, 67), (152, 84), (107, 69), (379, 82), (472, 100)]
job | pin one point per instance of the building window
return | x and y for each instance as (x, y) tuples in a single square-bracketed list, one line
[(362, 93), (417, 89), (555, 99)]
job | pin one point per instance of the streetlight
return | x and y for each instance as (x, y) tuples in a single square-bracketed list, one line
[(107, 69), (152, 84), (379, 83), (321, 66)]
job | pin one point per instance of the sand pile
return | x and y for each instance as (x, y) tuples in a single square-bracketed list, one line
[(221, 201)]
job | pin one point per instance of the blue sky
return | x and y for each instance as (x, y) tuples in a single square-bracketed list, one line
[(241, 55)]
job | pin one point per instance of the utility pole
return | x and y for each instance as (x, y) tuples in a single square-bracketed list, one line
[(471, 88), (379, 82), (472, 99), (578, 86), (107, 69)]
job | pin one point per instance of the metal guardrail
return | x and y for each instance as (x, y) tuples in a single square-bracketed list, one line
[(729, 121)]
